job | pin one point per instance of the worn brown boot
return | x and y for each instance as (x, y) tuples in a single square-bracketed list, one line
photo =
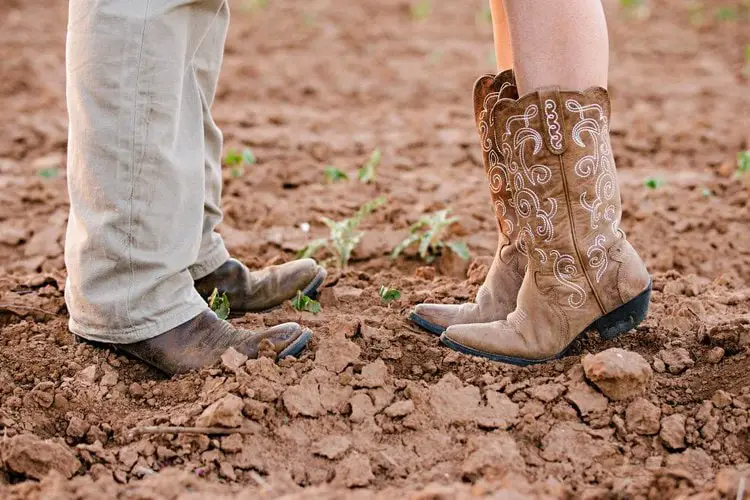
[(202, 340), (256, 291), (496, 298), (582, 273)]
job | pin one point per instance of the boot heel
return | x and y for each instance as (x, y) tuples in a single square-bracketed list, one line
[(626, 317)]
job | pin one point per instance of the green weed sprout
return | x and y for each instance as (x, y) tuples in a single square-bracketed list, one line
[(653, 183), (219, 304), (333, 174), (743, 166), (421, 10), (389, 294), (304, 303), (344, 235), (366, 173), (238, 161), (428, 231)]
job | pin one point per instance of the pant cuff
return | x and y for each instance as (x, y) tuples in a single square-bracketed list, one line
[(153, 328), (209, 262)]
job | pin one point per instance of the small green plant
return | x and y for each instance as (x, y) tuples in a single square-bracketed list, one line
[(428, 231), (48, 173), (635, 8), (344, 235), (743, 162), (706, 192), (389, 294), (421, 9), (219, 304), (237, 161), (333, 174), (304, 303), (653, 183), (726, 13), (366, 173), (746, 69)]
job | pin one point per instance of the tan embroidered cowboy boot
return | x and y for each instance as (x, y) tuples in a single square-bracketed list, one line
[(496, 298), (257, 291), (582, 273)]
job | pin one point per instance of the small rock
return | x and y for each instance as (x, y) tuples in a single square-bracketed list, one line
[(673, 431), (400, 409), (618, 373), (373, 375), (87, 376), (586, 399), (362, 407), (695, 462), (642, 417), (547, 392), (303, 400), (232, 360), (128, 456), (677, 360), (496, 454), (715, 355), (337, 353), (327, 297), (721, 399), (109, 379), (356, 470), (426, 273), (77, 428), (226, 412), (32, 457), (659, 366), (332, 447), (232, 443), (136, 390), (227, 471)]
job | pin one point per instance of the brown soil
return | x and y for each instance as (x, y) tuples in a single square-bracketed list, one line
[(376, 407)]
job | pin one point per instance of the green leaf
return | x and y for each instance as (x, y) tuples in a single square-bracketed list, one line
[(237, 171), (248, 157), (726, 14), (406, 243), (743, 162), (460, 249), (707, 192), (333, 174), (311, 248), (304, 303), (219, 304), (48, 173), (366, 173), (653, 183), (232, 158), (388, 294), (421, 9)]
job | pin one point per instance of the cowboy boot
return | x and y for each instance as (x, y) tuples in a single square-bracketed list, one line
[(202, 340), (582, 273), (257, 291), (496, 298)]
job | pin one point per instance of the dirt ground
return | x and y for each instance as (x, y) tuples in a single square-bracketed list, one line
[(376, 408)]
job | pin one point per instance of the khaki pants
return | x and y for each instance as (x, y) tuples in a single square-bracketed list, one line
[(144, 166)]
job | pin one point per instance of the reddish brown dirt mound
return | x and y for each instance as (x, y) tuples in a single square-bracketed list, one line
[(376, 408)]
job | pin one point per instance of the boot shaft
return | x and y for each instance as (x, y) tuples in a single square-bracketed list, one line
[(556, 156)]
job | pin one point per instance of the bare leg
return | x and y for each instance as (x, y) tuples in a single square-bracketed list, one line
[(562, 43), (503, 49)]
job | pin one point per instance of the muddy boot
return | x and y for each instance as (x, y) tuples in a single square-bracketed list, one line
[(202, 340), (496, 298), (582, 273), (256, 291)]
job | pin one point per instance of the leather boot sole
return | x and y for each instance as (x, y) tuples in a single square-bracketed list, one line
[(610, 326), (426, 325), (311, 290)]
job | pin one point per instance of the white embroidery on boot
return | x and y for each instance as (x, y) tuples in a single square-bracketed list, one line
[(597, 255), (553, 124), (565, 270)]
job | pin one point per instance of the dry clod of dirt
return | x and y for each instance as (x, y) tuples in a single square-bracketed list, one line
[(721, 399), (32, 457), (643, 417), (226, 412), (673, 432), (618, 373), (336, 353), (677, 360), (355, 470), (586, 399), (373, 375), (495, 455), (332, 447), (400, 409), (715, 355), (232, 360)]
